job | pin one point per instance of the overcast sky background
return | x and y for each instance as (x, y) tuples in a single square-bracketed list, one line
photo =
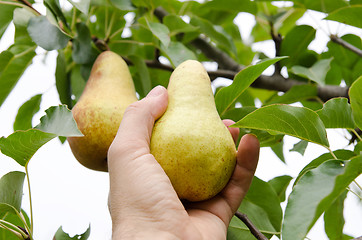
[(64, 193)]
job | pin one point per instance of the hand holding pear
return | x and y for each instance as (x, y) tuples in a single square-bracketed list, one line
[(190, 141)]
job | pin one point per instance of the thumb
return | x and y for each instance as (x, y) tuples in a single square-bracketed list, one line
[(135, 130)]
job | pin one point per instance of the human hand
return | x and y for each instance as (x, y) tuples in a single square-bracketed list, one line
[(142, 201)]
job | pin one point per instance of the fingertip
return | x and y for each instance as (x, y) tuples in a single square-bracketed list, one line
[(233, 131)]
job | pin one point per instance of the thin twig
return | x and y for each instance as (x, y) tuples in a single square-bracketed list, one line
[(254, 230), (345, 44), (25, 2)]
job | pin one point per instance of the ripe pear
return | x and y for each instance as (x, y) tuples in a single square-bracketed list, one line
[(190, 141), (99, 111)]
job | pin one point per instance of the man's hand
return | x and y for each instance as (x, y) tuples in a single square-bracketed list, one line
[(142, 201)]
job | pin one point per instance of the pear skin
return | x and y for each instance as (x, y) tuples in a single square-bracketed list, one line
[(190, 141), (99, 111)]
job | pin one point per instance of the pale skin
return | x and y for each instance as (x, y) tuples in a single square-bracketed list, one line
[(142, 201)]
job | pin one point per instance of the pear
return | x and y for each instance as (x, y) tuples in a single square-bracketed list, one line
[(99, 111), (190, 141)]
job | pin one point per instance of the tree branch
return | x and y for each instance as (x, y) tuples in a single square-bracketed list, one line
[(254, 230), (229, 68), (275, 82), (345, 44), (277, 39)]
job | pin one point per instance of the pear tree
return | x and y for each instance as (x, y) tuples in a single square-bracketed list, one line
[(267, 76)]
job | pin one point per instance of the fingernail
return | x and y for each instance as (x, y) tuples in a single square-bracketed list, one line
[(156, 91)]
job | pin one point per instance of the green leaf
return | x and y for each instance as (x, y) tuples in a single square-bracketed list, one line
[(278, 149), (315, 192), (62, 80), (82, 5), (296, 43), (356, 101), (22, 16), (59, 120), (295, 94), (299, 122), (178, 53), (358, 148), (160, 31), (61, 235), (270, 205), (12, 65), (77, 82), (123, 4), (26, 112), (265, 213), (142, 80), (55, 9), (216, 33), (350, 15), (226, 96), (6, 17), (355, 2), (286, 22), (316, 73), (236, 114), (337, 113), (11, 191), (82, 45), (300, 147), (176, 25), (14, 219), (22, 145), (46, 35), (323, 6), (231, 6), (333, 218), (340, 154), (280, 185), (21, 19)]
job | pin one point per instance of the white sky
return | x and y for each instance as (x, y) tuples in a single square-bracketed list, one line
[(65, 193)]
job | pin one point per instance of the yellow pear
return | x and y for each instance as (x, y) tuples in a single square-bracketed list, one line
[(99, 111), (190, 141)]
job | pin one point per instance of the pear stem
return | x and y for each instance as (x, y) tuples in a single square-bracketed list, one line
[(256, 232)]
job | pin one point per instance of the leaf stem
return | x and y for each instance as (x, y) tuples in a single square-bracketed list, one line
[(350, 190), (359, 186), (21, 5), (134, 42), (357, 135), (74, 17), (106, 21), (12, 228), (116, 33), (30, 200), (111, 22), (332, 153), (30, 233)]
